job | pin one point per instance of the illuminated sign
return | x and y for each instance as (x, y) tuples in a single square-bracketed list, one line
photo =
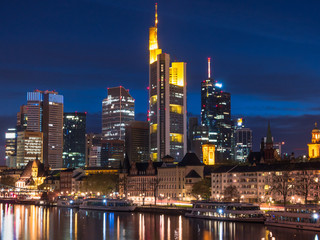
[(218, 85)]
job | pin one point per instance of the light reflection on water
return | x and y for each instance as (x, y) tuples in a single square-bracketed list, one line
[(31, 222)]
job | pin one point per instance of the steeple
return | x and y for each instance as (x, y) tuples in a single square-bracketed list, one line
[(269, 135)]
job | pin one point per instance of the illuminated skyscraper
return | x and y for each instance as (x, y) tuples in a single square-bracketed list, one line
[(74, 139), (22, 118), (45, 114), (167, 102), (117, 111), (11, 147), (243, 141), (216, 115)]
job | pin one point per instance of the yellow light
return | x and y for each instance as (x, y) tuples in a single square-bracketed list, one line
[(153, 128), (153, 99), (154, 156), (177, 74), (208, 152), (176, 137), (176, 108)]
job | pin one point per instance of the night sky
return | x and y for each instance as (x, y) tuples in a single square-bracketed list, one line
[(266, 54)]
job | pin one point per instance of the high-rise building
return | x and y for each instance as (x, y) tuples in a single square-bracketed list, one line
[(45, 114), (112, 153), (29, 147), (22, 118), (167, 102), (208, 152), (11, 147), (117, 111), (242, 141), (74, 139), (95, 156), (93, 144), (137, 141), (216, 115)]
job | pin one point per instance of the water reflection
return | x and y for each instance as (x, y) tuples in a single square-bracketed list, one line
[(31, 222)]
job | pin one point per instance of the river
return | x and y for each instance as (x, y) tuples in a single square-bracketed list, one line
[(34, 223)]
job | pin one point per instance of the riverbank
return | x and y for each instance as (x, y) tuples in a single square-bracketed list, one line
[(163, 210)]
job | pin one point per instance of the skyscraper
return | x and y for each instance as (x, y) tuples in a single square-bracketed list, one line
[(45, 114), (117, 111), (216, 115), (22, 118), (11, 147), (167, 102), (243, 141), (74, 139), (137, 141)]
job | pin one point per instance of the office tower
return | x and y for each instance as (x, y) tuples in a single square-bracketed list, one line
[(11, 147), (242, 141), (112, 153), (167, 102), (29, 147), (95, 156), (93, 141), (198, 135), (45, 114), (74, 139), (137, 141), (192, 123), (216, 115), (22, 118), (117, 111)]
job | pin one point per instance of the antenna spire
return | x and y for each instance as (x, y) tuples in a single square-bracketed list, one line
[(209, 68), (156, 15)]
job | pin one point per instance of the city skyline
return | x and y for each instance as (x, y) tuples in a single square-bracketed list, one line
[(102, 73)]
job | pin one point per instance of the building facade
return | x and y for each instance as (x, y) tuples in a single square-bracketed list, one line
[(117, 111), (11, 147), (314, 146), (167, 102), (137, 141), (29, 147), (74, 139), (242, 141), (45, 114), (216, 115), (112, 153)]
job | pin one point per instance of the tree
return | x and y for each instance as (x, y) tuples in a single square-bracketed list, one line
[(281, 183), (123, 185), (155, 186), (231, 192), (8, 181), (202, 188), (103, 183), (304, 183)]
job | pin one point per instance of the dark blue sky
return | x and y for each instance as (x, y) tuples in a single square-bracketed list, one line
[(266, 53)]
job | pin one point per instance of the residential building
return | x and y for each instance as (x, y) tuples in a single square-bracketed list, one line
[(117, 112), (74, 139), (137, 141), (167, 102)]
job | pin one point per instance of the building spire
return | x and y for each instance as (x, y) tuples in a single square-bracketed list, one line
[(269, 135), (209, 69), (156, 16)]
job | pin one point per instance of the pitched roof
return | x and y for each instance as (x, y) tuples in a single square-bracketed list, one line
[(27, 171), (190, 159), (193, 174)]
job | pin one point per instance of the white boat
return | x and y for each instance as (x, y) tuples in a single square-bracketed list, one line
[(226, 211), (69, 202), (104, 204), (296, 216)]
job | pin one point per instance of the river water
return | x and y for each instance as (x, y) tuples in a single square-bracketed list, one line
[(32, 222)]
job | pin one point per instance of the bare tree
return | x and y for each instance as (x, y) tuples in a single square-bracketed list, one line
[(231, 192), (123, 185), (281, 183), (155, 182), (304, 183)]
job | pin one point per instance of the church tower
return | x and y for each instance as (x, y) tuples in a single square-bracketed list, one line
[(314, 146)]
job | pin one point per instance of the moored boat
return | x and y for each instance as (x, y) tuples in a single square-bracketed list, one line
[(104, 204), (69, 202), (227, 211), (296, 216)]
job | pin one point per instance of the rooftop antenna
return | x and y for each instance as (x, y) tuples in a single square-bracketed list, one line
[(209, 69), (156, 15)]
